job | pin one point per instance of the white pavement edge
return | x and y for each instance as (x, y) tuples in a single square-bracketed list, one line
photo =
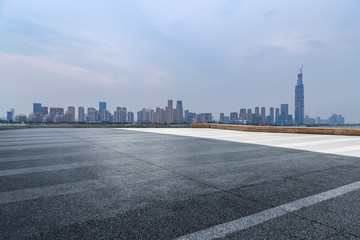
[(329, 144), (227, 228)]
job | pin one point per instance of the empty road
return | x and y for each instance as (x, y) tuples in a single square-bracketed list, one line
[(177, 184)]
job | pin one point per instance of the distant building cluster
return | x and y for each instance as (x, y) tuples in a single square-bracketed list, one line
[(281, 115), (168, 114), (43, 114), (177, 115), (276, 116)]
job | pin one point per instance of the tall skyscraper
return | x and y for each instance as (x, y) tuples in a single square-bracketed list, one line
[(71, 114), (9, 116), (81, 114), (12, 114), (91, 114), (102, 106), (179, 112), (222, 117), (284, 115), (242, 116), (277, 115), (234, 117), (158, 116), (257, 111), (188, 116), (272, 115), (130, 117), (44, 111), (263, 115), (37, 108), (170, 117), (123, 114), (299, 99), (249, 116), (105, 116)]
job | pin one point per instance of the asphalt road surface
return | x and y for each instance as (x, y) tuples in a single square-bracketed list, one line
[(177, 183)]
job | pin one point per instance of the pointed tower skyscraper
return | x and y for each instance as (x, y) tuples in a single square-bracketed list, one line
[(299, 99)]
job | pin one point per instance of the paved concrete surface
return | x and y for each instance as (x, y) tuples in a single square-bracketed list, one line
[(141, 184)]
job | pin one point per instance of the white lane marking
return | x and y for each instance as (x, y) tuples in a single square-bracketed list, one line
[(43, 145), (67, 166), (17, 171), (224, 229), (48, 156), (314, 142), (49, 191)]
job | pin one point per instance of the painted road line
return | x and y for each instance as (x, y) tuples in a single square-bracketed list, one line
[(224, 229), (49, 191), (49, 168)]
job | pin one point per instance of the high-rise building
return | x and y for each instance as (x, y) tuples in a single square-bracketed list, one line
[(257, 111), (170, 118), (242, 116), (20, 118), (146, 116), (102, 106), (284, 115), (272, 115), (322, 121), (91, 114), (54, 111), (12, 114), (249, 116), (190, 117), (70, 114), (105, 116), (277, 115), (336, 119), (204, 117), (290, 119), (309, 120), (222, 117), (299, 99), (81, 114), (123, 114), (160, 115), (98, 115), (263, 115), (37, 108), (9, 116), (179, 112), (120, 115), (234, 117), (130, 117), (44, 111)]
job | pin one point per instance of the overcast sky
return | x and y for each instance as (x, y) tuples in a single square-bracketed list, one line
[(216, 56)]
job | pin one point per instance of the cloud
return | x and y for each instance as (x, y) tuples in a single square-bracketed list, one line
[(217, 51), (25, 66), (315, 44), (270, 13)]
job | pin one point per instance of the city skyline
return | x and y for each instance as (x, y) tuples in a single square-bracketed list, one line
[(260, 116), (279, 116), (218, 56)]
